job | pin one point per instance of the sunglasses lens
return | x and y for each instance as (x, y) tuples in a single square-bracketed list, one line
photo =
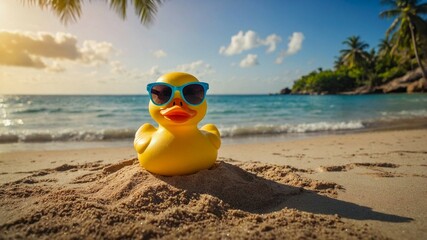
[(161, 94), (194, 94)]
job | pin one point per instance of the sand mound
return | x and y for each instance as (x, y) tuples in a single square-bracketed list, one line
[(231, 200)]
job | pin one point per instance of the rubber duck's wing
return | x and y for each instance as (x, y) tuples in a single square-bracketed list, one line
[(212, 133), (143, 137)]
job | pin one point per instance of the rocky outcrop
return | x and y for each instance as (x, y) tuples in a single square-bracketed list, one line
[(285, 91), (418, 86), (410, 82)]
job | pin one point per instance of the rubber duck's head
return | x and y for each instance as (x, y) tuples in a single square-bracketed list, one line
[(177, 99)]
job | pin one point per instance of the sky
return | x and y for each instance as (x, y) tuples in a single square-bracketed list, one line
[(238, 47)]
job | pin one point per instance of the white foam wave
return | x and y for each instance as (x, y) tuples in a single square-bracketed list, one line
[(405, 113), (263, 129), (120, 134), (66, 136)]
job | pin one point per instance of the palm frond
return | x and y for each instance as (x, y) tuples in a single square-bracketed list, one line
[(390, 13), (393, 27), (363, 46), (40, 3), (344, 51), (384, 47), (71, 10), (355, 54), (67, 11), (120, 7), (146, 9)]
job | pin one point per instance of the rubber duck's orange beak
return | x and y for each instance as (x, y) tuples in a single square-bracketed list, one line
[(178, 111)]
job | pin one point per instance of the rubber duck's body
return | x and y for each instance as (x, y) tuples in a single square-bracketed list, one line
[(177, 146)]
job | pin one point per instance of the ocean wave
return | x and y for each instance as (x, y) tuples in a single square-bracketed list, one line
[(52, 110), (105, 115), (265, 129), (122, 134), (67, 136), (404, 114), (32, 110), (227, 111)]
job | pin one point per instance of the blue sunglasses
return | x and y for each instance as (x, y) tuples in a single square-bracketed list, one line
[(193, 93)]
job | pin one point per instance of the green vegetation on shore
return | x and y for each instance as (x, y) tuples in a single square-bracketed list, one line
[(403, 50)]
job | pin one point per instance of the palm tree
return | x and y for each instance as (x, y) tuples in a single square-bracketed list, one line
[(71, 10), (385, 57), (338, 62), (355, 55), (407, 26), (371, 68), (384, 47)]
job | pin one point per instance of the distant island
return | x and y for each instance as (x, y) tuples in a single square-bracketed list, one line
[(398, 64)]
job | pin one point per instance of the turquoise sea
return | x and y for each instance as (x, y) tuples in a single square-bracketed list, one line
[(52, 122)]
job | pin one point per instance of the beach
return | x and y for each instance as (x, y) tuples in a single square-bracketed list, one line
[(369, 185), (301, 125)]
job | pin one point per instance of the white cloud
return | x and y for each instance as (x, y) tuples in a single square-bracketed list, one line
[(154, 72), (125, 73), (294, 46), (197, 68), (241, 42), (29, 49), (117, 67), (95, 53), (159, 53), (295, 42), (55, 67), (249, 40), (249, 61), (271, 41)]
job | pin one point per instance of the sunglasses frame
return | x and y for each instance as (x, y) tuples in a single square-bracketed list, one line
[(174, 89)]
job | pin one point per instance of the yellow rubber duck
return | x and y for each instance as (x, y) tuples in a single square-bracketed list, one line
[(177, 146)]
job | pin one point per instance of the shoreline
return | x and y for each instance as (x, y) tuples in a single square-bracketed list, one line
[(376, 126), (371, 183)]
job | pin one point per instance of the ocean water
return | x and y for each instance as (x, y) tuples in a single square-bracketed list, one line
[(43, 122)]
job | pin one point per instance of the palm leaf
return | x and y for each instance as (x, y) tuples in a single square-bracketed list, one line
[(71, 10), (393, 27), (390, 13), (146, 9), (120, 7), (67, 11)]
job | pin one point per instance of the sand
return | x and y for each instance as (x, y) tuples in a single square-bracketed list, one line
[(353, 186)]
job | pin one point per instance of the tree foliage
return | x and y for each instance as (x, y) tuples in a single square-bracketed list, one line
[(355, 55), (403, 49), (408, 27), (324, 82)]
